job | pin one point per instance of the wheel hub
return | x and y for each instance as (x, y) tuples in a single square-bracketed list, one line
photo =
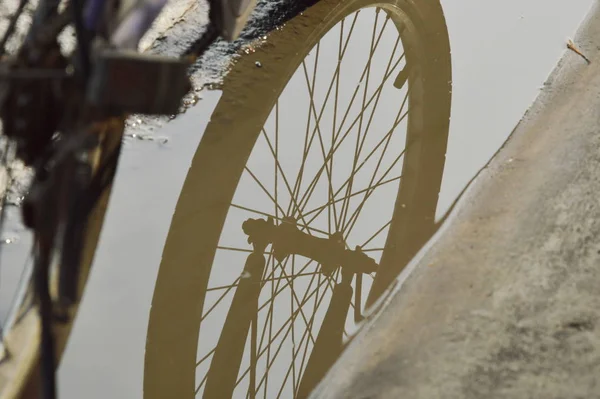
[(287, 239)]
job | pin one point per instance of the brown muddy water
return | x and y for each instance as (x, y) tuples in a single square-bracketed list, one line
[(246, 238)]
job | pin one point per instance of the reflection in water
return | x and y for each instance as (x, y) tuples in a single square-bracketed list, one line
[(313, 186)]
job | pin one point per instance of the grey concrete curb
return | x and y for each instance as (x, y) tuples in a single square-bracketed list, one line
[(506, 302)]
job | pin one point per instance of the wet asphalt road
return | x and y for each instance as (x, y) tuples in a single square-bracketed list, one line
[(502, 53)]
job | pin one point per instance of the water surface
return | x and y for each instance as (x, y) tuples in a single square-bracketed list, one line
[(501, 54)]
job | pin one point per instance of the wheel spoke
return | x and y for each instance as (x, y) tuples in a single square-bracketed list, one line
[(336, 73), (201, 384), (376, 234), (264, 189), (379, 94), (362, 76), (351, 222), (333, 129), (281, 329), (292, 198), (307, 142), (288, 331), (276, 152), (307, 333), (205, 357), (278, 167), (304, 356), (295, 297), (269, 318), (354, 217), (293, 332), (276, 292), (310, 189), (304, 299), (376, 95), (381, 142), (386, 137), (237, 249), (227, 289), (372, 249), (359, 150), (272, 299), (267, 280), (318, 129), (398, 119), (235, 283), (322, 207), (359, 144)]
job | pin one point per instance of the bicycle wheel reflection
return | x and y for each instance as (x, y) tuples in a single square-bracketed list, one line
[(314, 184)]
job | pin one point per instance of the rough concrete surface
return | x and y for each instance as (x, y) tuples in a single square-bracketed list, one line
[(506, 302)]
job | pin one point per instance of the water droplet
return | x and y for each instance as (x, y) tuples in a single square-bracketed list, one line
[(10, 240), (245, 274)]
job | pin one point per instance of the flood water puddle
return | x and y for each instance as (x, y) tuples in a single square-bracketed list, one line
[(240, 255)]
